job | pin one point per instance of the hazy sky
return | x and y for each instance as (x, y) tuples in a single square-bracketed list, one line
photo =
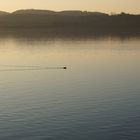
[(131, 6)]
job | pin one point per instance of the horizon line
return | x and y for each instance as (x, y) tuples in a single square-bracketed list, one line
[(109, 13)]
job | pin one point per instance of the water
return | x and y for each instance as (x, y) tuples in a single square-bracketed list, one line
[(97, 97)]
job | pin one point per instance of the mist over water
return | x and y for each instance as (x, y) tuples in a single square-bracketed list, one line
[(97, 97)]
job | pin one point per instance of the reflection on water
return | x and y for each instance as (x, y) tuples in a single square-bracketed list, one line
[(97, 97)]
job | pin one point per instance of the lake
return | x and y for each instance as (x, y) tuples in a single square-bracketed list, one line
[(96, 98)]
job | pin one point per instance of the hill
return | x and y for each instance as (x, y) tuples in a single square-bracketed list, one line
[(3, 13), (33, 11), (71, 21), (49, 12)]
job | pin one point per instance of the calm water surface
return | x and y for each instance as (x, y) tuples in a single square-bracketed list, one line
[(96, 98)]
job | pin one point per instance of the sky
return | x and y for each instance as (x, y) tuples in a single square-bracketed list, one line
[(107, 6)]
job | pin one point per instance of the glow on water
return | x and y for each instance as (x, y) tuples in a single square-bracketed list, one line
[(97, 97)]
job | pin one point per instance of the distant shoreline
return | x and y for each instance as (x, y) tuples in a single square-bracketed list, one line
[(68, 23), (60, 33)]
